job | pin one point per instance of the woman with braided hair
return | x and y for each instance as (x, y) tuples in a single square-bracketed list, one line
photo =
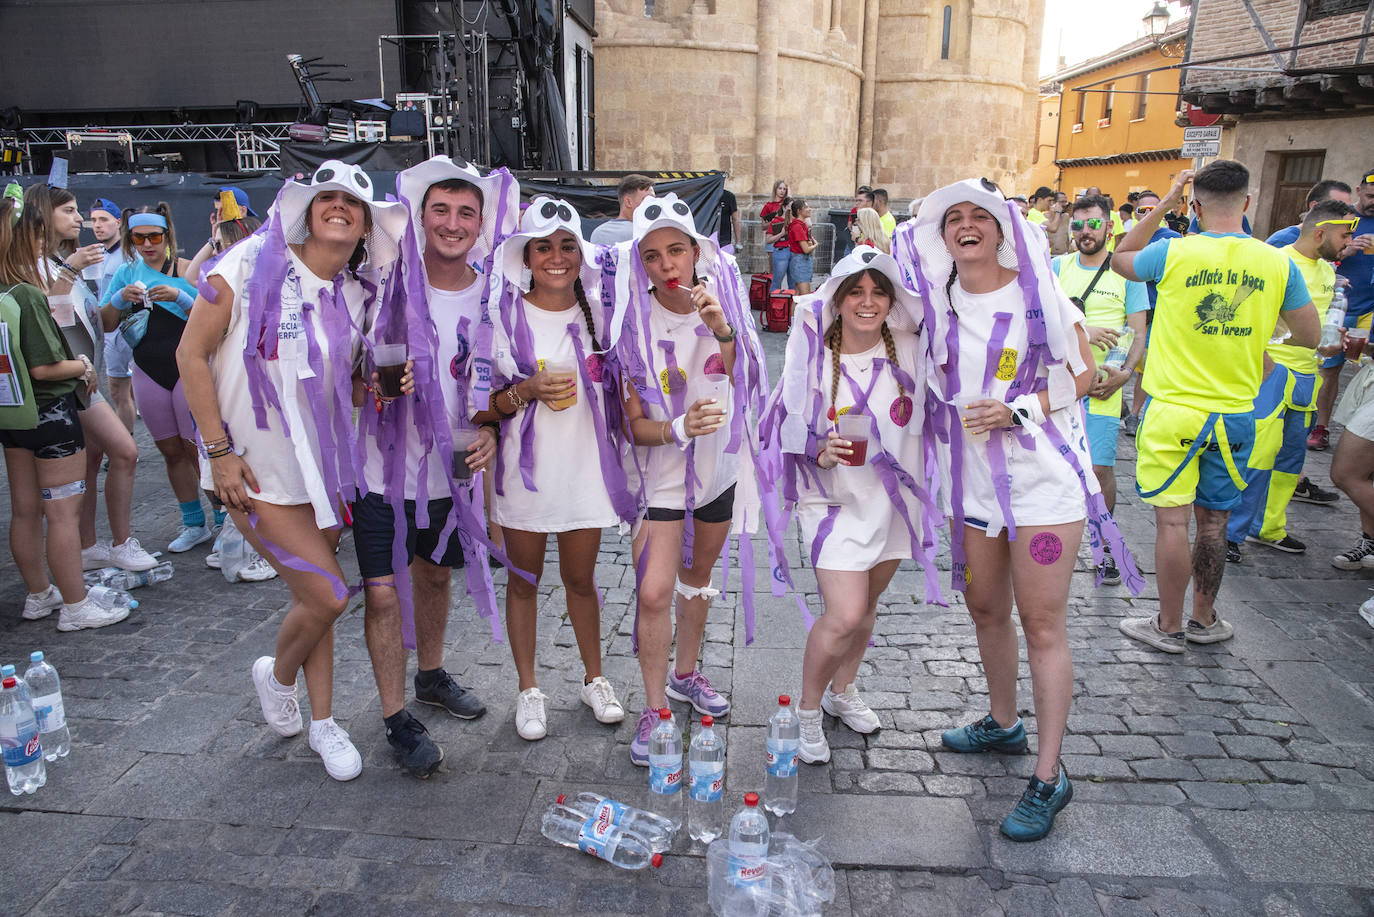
[(854, 352), (537, 370)]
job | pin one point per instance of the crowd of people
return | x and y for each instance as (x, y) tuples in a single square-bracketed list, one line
[(458, 375)]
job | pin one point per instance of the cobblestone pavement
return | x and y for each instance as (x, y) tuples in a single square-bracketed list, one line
[(1233, 779)]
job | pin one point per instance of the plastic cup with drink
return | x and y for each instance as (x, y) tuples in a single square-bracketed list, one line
[(390, 360), (714, 387), (1355, 340), (855, 428), (464, 439), (565, 371), (962, 401)]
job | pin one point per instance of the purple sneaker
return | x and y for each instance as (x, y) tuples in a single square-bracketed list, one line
[(639, 748), (694, 689)]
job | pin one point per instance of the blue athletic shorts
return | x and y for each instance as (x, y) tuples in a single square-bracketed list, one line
[(1102, 435)]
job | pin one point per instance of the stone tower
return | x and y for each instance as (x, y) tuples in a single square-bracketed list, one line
[(904, 94)]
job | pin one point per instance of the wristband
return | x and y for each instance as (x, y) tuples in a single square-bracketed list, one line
[(1026, 409), (725, 339), (679, 431), (185, 300)]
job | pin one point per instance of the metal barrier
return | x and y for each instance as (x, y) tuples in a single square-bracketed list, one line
[(753, 259)]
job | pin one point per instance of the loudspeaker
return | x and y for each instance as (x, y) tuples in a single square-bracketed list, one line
[(85, 159)]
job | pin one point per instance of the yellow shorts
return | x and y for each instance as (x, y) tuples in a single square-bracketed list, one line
[(1185, 456)]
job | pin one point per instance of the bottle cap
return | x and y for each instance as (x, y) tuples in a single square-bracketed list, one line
[(560, 798), (36, 656), (784, 700), (751, 799), (656, 860), (6, 671), (9, 682), (665, 714), (707, 722)]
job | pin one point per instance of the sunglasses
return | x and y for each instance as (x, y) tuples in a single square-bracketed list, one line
[(1141, 211), (1349, 224), (1077, 225), (149, 238)]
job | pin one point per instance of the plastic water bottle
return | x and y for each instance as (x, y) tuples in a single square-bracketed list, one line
[(7, 671), (599, 836), (110, 597), (665, 769), (24, 768), (780, 763), (706, 792), (46, 690), (1335, 319), (1116, 357), (233, 550), (117, 578), (747, 863), (655, 829)]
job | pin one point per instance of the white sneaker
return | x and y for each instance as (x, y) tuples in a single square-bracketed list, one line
[(257, 570), (96, 556), (341, 759), (212, 560), (1367, 611), (131, 556), (814, 749), (190, 536), (531, 722), (41, 604), (86, 614), (600, 696), (280, 709), (851, 710)]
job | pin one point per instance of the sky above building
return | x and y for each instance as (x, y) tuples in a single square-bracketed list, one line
[(1076, 30)]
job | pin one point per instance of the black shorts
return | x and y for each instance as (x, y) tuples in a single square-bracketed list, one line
[(721, 509), (374, 523), (57, 435)]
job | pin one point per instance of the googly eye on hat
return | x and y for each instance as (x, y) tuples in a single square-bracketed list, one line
[(544, 217), (671, 212), (415, 181), (388, 218), (906, 312)]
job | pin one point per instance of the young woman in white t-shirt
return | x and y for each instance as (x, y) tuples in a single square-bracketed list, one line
[(864, 506), (692, 370), (1009, 362), (267, 362), (557, 471)]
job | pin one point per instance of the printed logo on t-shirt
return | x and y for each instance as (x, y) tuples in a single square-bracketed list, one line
[(462, 355), (1006, 365), (1214, 311), (672, 383), (714, 366), (901, 411), (595, 365)]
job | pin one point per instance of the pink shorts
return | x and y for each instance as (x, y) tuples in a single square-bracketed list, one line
[(165, 413)]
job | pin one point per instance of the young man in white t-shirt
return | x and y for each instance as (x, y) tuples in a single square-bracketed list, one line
[(449, 227)]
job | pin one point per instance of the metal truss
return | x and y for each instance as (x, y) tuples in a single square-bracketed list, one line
[(257, 146)]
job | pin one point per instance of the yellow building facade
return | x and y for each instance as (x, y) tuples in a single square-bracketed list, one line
[(827, 94), (1121, 134)]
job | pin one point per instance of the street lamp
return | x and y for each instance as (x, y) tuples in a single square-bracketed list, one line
[(1156, 21)]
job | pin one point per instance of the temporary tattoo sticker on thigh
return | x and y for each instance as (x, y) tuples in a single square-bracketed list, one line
[(901, 411), (968, 576), (1006, 365), (1046, 548)]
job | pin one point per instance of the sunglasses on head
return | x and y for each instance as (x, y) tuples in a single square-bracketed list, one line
[(1141, 211), (1349, 224), (1077, 225), (148, 238)]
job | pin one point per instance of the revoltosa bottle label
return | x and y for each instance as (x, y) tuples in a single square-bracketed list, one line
[(49, 712), (595, 837), (781, 759), (665, 774), (708, 781)]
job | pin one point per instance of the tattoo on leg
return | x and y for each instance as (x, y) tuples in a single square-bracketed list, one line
[(1209, 561), (1046, 548)]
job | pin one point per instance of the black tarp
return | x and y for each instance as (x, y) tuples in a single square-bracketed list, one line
[(390, 157), (191, 194)]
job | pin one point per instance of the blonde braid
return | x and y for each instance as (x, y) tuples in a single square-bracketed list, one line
[(586, 313), (832, 340), (892, 357)]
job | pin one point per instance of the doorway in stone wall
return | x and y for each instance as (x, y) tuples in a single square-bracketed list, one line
[(1298, 172)]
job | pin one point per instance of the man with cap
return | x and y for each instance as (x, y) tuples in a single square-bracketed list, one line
[(1221, 294), (105, 223), (455, 217)]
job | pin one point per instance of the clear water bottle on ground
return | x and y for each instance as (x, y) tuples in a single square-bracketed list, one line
[(655, 829), (598, 836), (665, 769), (780, 762), (1334, 324), (7, 671), (749, 834), (706, 789), (24, 768), (132, 579), (45, 689), (109, 597)]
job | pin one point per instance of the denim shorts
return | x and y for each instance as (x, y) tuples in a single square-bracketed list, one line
[(799, 269)]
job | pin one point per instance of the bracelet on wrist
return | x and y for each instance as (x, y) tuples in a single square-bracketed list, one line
[(726, 338)]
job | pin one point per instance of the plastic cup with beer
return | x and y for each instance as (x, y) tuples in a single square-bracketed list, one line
[(713, 387), (390, 360), (565, 371)]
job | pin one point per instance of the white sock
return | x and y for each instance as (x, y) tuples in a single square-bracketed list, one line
[(320, 724), (279, 687)]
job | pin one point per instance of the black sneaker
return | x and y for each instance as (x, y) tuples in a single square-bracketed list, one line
[(1130, 423), (1287, 544), (1307, 492), (1360, 557), (416, 751), (1111, 576), (1233, 552), (444, 692)]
